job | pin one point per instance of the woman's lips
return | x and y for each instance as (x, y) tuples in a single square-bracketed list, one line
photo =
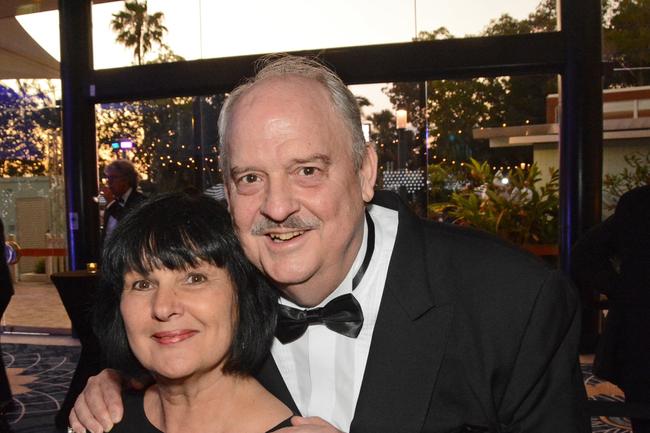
[(172, 337)]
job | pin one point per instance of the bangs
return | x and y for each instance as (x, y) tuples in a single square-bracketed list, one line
[(172, 235), (173, 250)]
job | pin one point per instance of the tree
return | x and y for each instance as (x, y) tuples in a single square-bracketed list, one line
[(174, 138), (627, 42), (29, 130), (455, 107), (384, 135), (138, 29)]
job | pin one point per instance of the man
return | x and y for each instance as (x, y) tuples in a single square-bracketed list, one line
[(614, 258), (122, 183), (459, 332)]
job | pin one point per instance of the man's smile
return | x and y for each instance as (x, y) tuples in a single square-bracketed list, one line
[(282, 237)]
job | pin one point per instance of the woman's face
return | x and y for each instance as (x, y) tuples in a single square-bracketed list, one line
[(180, 323)]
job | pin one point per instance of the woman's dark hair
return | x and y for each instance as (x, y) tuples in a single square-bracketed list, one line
[(177, 231)]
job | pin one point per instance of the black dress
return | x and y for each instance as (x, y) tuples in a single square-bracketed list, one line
[(135, 420)]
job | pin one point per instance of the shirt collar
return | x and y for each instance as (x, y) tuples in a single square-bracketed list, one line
[(346, 284)]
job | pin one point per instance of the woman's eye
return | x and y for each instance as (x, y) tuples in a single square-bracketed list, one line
[(196, 278)]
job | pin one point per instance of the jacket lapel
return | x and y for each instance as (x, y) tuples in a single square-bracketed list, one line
[(271, 379), (408, 341)]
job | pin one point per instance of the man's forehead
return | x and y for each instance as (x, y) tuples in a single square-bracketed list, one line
[(283, 90)]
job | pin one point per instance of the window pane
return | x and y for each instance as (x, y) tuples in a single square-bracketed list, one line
[(172, 142), (488, 146), (210, 29), (32, 199)]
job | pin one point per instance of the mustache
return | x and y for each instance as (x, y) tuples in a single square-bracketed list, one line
[(292, 222)]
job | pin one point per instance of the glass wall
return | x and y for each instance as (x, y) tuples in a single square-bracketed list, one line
[(480, 152), (172, 142), (31, 170), (201, 29), (32, 197)]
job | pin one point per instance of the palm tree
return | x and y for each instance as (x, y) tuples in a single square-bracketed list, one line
[(138, 29)]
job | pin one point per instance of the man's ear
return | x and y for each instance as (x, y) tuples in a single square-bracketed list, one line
[(368, 173)]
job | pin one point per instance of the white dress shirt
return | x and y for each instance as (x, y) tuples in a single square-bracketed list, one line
[(322, 369)]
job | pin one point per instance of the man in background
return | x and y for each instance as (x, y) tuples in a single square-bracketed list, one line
[(122, 183)]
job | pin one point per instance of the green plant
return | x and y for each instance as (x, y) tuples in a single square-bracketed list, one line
[(638, 174), (512, 206), (39, 266)]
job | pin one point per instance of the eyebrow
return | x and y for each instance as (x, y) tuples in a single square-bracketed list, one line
[(317, 157), (313, 158)]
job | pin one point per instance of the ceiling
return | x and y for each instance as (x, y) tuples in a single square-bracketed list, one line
[(11, 8), (20, 55)]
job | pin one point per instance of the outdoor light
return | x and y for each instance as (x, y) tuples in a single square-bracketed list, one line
[(401, 118), (122, 145), (365, 127)]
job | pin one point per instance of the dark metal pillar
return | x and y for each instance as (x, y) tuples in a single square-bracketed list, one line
[(581, 136), (78, 124)]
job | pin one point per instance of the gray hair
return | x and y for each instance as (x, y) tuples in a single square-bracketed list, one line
[(124, 167), (283, 65)]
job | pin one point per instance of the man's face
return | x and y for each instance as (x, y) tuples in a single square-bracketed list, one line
[(294, 194), (117, 182)]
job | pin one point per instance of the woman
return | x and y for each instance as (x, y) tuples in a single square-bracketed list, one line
[(179, 300)]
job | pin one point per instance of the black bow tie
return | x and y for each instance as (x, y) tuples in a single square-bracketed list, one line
[(342, 314)]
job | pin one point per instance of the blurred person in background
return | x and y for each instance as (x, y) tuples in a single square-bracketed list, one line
[(122, 183), (6, 292), (614, 258)]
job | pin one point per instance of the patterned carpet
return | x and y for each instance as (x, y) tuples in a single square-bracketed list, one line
[(39, 377), (598, 389)]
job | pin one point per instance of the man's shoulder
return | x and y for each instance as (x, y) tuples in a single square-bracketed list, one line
[(472, 267), (466, 251), (138, 195)]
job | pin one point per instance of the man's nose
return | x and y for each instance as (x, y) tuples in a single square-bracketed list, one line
[(279, 201), (166, 304)]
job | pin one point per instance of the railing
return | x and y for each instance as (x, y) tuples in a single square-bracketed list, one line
[(49, 253)]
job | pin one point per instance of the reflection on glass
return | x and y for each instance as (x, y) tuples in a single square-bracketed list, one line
[(202, 29), (478, 152), (172, 142), (32, 204), (208, 29)]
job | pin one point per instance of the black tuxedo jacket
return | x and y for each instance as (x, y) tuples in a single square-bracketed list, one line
[(472, 335), (113, 209)]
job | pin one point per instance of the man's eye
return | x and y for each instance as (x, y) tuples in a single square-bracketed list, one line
[(142, 285), (249, 178), (196, 278), (308, 171)]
